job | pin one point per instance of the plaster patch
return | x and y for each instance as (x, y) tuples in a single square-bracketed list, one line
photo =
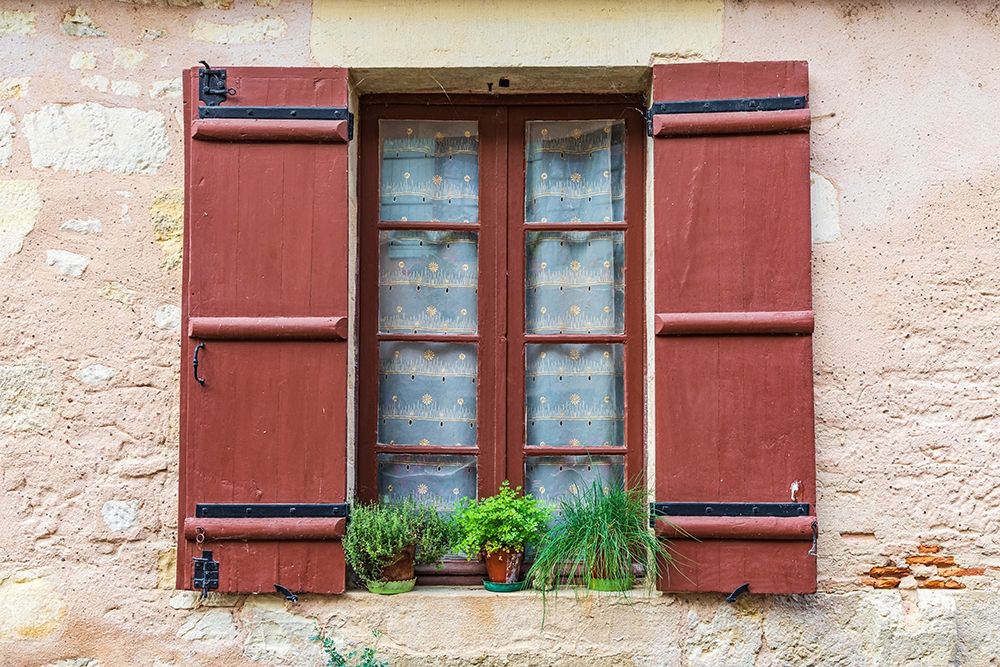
[(128, 58), (277, 635), (6, 136), (17, 22), (30, 605), (67, 263), (83, 60), (77, 23), (115, 291), (19, 207), (467, 33), (96, 374), (732, 637), (257, 29), (28, 393), (825, 209), (170, 88), (81, 226), (167, 216), (90, 137), (167, 317), (14, 87), (214, 624), (126, 88), (120, 515)]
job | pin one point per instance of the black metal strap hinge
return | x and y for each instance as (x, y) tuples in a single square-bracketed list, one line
[(271, 510), (206, 573), (729, 509), (741, 104)]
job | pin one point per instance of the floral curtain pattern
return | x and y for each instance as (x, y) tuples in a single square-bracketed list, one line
[(427, 393), (428, 282), (574, 395), (440, 480), (430, 171), (551, 478), (575, 171), (575, 283)]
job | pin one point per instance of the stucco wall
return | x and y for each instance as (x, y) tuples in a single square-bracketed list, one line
[(907, 241)]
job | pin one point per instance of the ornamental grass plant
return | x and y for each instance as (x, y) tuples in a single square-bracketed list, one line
[(597, 538)]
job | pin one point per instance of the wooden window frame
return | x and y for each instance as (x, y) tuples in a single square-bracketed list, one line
[(502, 231)]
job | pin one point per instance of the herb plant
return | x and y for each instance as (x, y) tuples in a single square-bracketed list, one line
[(597, 537), (505, 522), (366, 657), (378, 534)]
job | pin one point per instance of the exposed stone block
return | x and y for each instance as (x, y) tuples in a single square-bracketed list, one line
[(77, 23), (120, 515), (90, 226), (83, 60), (167, 215), (257, 29), (90, 137), (128, 58), (14, 88), (825, 210), (277, 635), (96, 374), (17, 22), (167, 88), (28, 393), (6, 136), (67, 263), (19, 207), (31, 606), (167, 317), (214, 624)]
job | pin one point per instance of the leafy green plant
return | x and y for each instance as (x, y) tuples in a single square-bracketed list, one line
[(379, 533), (505, 522), (366, 657), (598, 536)]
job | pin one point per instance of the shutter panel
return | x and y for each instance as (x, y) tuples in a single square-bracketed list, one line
[(734, 398), (263, 439)]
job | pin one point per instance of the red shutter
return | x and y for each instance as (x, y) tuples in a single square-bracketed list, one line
[(263, 440), (734, 396)]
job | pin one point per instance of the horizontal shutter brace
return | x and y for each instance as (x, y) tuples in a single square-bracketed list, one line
[(668, 509), (732, 105), (271, 510), (213, 91)]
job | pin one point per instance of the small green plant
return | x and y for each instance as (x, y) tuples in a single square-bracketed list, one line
[(596, 538), (378, 534), (507, 521), (366, 657)]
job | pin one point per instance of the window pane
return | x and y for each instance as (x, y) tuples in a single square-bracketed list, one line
[(428, 282), (574, 395), (575, 171), (437, 479), (430, 171), (575, 282), (427, 394), (549, 478)]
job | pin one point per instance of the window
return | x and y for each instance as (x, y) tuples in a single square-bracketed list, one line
[(501, 330)]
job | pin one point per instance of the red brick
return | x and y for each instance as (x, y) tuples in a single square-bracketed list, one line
[(888, 571), (929, 548), (952, 583), (941, 583), (940, 561), (962, 571), (886, 582)]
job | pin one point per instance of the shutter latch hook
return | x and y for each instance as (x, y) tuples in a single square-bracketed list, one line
[(194, 364)]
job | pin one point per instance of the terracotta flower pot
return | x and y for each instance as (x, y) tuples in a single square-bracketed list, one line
[(402, 568), (504, 567)]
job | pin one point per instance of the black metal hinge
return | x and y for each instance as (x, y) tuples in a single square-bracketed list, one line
[(271, 510), (741, 104), (728, 509), (206, 573), (212, 88)]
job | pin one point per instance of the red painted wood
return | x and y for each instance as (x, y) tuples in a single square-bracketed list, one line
[(250, 130), (266, 242), (747, 528), (268, 328), (265, 529), (682, 324), (734, 408), (750, 122)]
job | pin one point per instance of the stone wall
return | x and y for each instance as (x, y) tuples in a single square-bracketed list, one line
[(906, 237)]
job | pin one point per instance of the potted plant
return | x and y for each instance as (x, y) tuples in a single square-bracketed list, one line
[(383, 542), (498, 528), (598, 536)]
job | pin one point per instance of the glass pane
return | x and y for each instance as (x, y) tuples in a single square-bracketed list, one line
[(575, 171), (437, 479), (428, 282), (575, 282), (427, 394), (551, 477), (430, 171), (574, 395)]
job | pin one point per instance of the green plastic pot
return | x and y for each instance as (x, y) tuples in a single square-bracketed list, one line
[(494, 587), (612, 585), (391, 587)]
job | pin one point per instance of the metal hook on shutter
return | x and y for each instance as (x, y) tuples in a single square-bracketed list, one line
[(194, 364)]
